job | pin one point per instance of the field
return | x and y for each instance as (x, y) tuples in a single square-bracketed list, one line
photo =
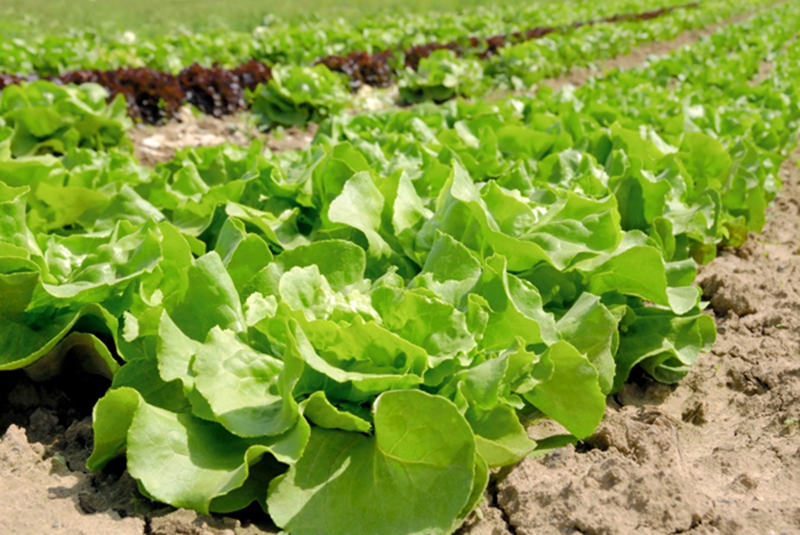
[(510, 269), (150, 17)]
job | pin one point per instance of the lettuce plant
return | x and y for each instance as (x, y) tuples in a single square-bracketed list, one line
[(52, 119), (354, 335), (298, 95), (441, 76)]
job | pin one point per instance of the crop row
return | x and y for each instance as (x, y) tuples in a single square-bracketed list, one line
[(339, 333), (152, 96), (29, 50), (433, 71), (376, 69)]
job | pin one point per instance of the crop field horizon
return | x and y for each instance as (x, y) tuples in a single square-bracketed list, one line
[(152, 16)]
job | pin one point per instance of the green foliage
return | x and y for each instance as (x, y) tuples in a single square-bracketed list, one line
[(441, 76), (169, 44), (382, 311), (50, 119), (420, 455), (299, 95)]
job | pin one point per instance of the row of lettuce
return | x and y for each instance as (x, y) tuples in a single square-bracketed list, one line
[(341, 333), (290, 95), (27, 49)]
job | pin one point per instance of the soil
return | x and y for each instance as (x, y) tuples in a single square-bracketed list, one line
[(719, 453), (46, 438), (157, 144)]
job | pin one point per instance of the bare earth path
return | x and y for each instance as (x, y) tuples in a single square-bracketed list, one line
[(718, 453)]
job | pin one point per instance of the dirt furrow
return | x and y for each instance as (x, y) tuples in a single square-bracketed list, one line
[(637, 57)]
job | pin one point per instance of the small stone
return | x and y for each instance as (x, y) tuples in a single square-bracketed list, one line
[(152, 142)]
